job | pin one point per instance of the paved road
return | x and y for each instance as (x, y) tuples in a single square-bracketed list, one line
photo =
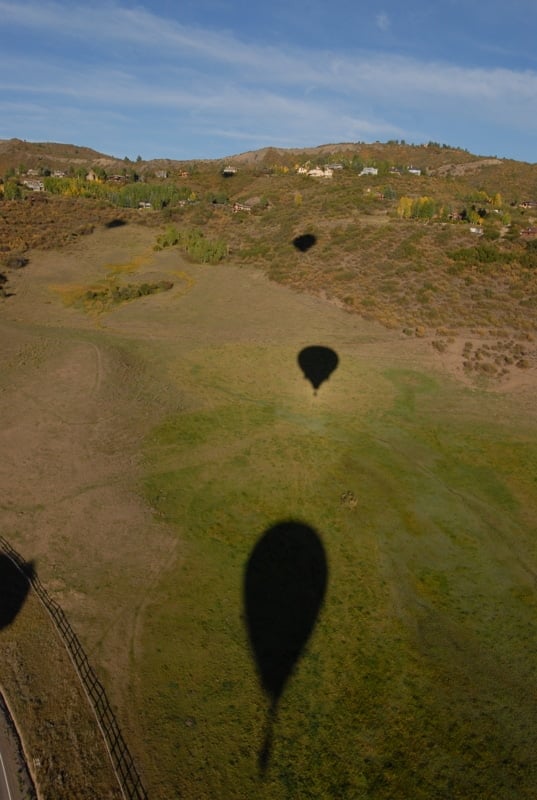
[(7, 789), (9, 763)]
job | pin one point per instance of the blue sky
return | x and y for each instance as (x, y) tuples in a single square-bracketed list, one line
[(209, 78)]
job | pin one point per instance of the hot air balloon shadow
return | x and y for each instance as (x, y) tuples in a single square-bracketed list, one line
[(317, 363), (14, 587), (284, 587), (304, 241)]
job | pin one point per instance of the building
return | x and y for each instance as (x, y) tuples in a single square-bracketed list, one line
[(35, 186), (320, 172)]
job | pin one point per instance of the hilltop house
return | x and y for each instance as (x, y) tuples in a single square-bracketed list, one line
[(369, 171), (320, 172), (35, 186)]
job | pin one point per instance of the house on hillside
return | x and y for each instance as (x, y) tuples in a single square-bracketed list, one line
[(241, 207), (35, 186), (161, 173), (369, 171), (320, 172), (414, 171), (228, 171)]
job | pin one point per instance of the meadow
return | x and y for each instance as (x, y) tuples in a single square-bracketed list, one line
[(167, 435), (416, 682)]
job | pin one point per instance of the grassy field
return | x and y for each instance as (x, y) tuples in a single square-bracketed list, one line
[(419, 677), (169, 433)]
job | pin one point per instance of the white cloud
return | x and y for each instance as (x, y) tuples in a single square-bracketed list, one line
[(172, 44), (214, 81), (383, 21)]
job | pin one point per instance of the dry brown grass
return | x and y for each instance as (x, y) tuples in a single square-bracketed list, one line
[(62, 742)]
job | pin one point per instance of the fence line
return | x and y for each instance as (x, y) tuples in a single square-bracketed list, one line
[(122, 762)]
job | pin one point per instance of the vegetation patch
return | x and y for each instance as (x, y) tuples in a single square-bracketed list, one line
[(104, 296), (194, 243)]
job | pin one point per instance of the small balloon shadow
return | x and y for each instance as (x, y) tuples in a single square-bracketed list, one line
[(317, 363), (115, 223), (14, 588), (304, 241), (284, 587)]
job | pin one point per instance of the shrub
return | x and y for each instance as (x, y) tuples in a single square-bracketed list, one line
[(194, 242)]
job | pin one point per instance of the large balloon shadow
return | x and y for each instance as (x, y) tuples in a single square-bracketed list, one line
[(317, 363), (284, 586), (14, 587)]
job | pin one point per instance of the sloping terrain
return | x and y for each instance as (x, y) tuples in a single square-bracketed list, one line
[(149, 446)]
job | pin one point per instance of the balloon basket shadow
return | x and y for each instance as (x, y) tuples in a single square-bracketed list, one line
[(266, 750)]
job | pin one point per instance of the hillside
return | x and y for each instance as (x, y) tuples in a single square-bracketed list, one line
[(153, 442), (183, 485), (438, 242)]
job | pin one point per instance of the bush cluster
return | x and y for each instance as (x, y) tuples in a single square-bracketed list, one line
[(111, 295), (194, 243)]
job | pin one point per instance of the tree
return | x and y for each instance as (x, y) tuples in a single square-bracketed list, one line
[(12, 191), (424, 208)]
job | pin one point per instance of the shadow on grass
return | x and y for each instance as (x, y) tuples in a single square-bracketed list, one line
[(284, 586), (317, 363), (14, 587), (115, 223), (304, 242)]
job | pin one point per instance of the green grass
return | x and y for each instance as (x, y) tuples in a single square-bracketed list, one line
[(419, 679)]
